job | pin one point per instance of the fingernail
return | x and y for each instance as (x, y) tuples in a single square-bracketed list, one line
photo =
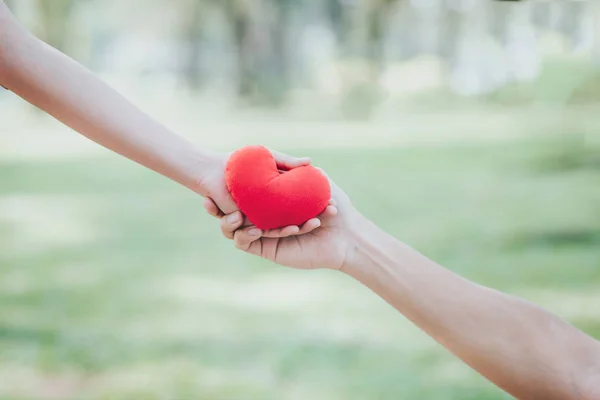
[(254, 232), (233, 218)]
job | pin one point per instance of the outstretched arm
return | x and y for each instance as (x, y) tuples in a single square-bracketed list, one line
[(520, 347), (69, 92), (73, 95)]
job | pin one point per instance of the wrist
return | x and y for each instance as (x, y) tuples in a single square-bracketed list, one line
[(376, 255), (209, 180), (206, 168), (366, 242)]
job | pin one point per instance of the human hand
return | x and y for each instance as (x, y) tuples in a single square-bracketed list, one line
[(213, 187), (323, 242)]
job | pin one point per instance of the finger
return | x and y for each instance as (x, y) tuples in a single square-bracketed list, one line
[(330, 211), (293, 230), (281, 232), (332, 202), (290, 230), (309, 226), (230, 223), (243, 238), (289, 162), (211, 208)]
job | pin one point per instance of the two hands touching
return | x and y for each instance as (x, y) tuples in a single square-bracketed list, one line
[(321, 242), (55, 83), (504, 338), (520, 347)]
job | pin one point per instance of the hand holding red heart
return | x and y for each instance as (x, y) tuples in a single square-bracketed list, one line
[(328, 245), (325, 241), (211, 184), (271, 198)]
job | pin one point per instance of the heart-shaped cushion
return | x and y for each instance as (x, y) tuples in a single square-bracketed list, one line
[(271, 198)]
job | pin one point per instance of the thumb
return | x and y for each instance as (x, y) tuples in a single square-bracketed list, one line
[(285, 161)]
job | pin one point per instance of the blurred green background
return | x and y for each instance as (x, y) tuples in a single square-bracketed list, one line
[(468, 129)]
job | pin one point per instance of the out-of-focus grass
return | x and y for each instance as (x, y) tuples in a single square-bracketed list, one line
[(115, 285)]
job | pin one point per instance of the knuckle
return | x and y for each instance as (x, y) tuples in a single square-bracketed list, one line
[(224, 225)]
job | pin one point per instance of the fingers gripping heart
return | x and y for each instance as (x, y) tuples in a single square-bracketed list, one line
[(271, 198)]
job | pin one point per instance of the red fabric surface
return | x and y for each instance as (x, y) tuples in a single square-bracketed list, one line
[(270, 198)]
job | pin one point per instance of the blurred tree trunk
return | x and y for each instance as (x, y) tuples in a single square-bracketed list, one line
[(500, 21), (377, 19), (193, 36), (276, 80), (596, 26), (449, 32), (367, 31), (261, 42), (544, 15), (578, 25), (472, 70), (362, 28), (238, 15), (589, 90), (337, 15), (342, 15), (54, 21), (520, 41)]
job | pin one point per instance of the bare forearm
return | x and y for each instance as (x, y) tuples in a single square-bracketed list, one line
[(63, 88), (515, 344)]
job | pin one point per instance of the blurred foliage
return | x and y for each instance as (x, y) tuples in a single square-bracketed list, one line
[(54, 20), (265, 49)]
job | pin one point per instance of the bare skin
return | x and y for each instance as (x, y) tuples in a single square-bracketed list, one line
[(58, 85), (523, 349)]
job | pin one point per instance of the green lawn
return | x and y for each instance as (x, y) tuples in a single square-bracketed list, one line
[(115, 285)]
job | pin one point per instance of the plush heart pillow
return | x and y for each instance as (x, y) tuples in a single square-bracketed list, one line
[(271, 198)]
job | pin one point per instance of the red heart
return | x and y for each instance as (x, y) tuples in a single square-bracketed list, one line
[(270, 198)]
